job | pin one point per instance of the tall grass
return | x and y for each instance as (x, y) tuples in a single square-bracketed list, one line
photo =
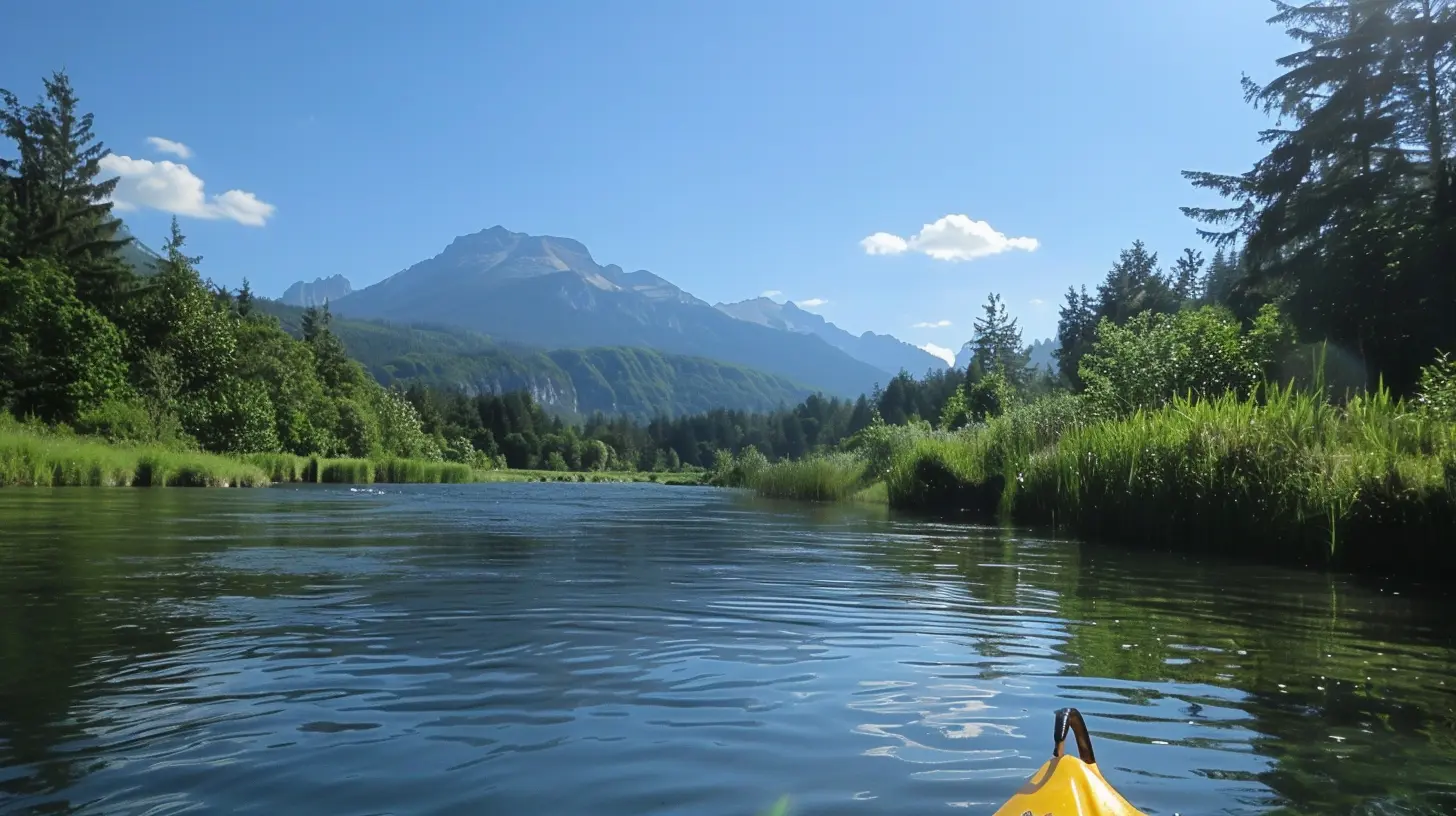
[(284, 467), (1282, 474), (834, 477), (414, 471), (1288, 476), (36, 460), (345, 471)]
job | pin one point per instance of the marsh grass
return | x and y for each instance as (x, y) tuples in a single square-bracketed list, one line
[(60, 460), (1282, 474), (345, 471), (414, 471), (833, 477)]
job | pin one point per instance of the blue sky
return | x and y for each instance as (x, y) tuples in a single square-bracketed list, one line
[(734, 148)]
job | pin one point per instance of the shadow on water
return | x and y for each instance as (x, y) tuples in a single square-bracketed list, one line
[(635, 649)]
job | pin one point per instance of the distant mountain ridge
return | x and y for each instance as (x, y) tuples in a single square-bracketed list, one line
[(635, 382), (885, 352), (549, 292), (317, 293)]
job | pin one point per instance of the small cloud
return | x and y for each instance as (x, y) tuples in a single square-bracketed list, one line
[(811, 303), (883, 243), (168, 146), (951, 238), (771, 293), (172, 188), (1037, 302), (940, 351), (928, 324)]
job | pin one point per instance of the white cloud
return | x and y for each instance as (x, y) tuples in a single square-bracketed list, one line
[(171, 187), (952, 238), (811, 303), (931, 324), (168, 146), (939, 351), (1037, 302), (771, 293), (883, 243)]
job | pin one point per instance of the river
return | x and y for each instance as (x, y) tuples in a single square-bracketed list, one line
[(637, 649)]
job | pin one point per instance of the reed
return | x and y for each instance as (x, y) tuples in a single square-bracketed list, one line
[(284, 467), (415, 471), (344, 471), (1283, 475), (833, 477), (59, 460)]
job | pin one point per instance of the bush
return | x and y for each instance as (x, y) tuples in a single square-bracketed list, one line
[(1202, 353)]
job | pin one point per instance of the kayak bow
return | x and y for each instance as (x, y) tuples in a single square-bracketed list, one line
[(1068, 785)]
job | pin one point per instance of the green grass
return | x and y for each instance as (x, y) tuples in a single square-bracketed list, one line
[(683, 478), (414, 471), (1283, 476), (42, 460), (835, 477)]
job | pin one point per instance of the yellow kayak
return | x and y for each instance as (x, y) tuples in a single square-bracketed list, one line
[(1068, 785)]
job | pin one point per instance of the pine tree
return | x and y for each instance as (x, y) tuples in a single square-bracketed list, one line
[(1135, 284), (1076, 330), (59, 209), (1188, 277), (1351, 206), (997, 342), (244, 303)]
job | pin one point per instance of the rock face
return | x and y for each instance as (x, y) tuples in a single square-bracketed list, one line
[(885, 352), (549, 292), (321, 291)]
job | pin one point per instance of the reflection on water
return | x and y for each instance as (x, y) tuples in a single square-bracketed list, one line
[(634, 649)]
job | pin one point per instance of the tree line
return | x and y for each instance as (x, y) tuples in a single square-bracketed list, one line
[(166, 358)]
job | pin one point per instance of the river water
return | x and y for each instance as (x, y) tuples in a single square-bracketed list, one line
[(636, 649)]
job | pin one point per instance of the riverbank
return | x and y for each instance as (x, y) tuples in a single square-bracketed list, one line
[(43, 459), (1284, 477)]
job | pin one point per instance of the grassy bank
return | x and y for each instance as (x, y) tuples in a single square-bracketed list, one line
[(34, 457), (33, 460), (1282, 476)]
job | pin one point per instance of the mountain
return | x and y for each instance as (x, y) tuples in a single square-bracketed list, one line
[(1041, 354), (637, 382), (142, 258), (549, 292), (321, 291), (887, 353)]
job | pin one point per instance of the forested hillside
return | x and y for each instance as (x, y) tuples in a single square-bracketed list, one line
[(635, 382)]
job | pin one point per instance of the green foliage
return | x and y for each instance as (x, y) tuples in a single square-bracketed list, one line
[(56, 206), (989, 396), (1436, 395), (1350, 217), (1155, 357), (1282, 474), (997, 344), (58, 356), (28, 458), (832, 477)]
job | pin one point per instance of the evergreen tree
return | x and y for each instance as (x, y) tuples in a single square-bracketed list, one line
[(1134, 285), (1188, 277), (245, 300), (1076, 331), (57, 207), (997, 342)]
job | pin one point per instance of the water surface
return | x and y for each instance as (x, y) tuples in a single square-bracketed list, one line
[(636, 649)]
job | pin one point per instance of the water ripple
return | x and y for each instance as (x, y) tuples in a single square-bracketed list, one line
[(645, 650)]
